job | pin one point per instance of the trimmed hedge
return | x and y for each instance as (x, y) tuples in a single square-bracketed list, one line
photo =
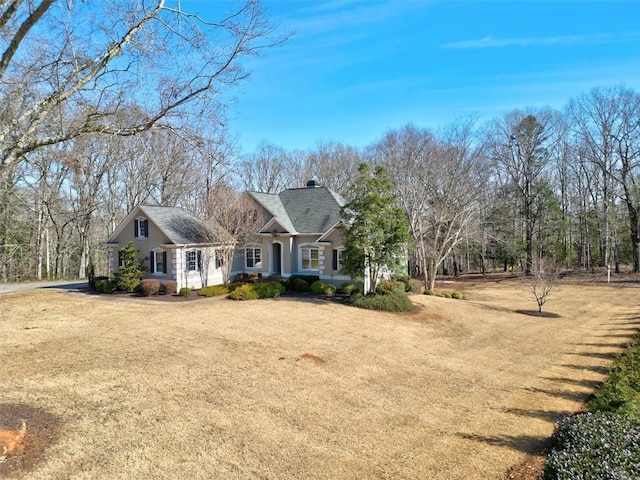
[(244, 292), (320, 287), (599, 445), (213, 291), (149, 287), (105, 286), (395, 302), (307, 278), (348, 288), (170, 287), (299, 285), (185, 292), (269, 289), (620, 393)]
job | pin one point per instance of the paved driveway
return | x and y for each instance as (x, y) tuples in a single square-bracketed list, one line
[(25, 286)]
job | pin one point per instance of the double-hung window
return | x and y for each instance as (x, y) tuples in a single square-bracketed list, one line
[(193, 259), (253, 257), (338, 258), (158, 262), (141, 228), (310, 258)]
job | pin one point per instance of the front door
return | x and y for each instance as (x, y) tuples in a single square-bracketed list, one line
[(276, 258)]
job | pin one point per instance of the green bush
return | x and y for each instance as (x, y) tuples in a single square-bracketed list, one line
[(445, 294), (96, 281), (170, 287), (307, 278), (105, 286), (389, 287), (394, 302), (321, 287), (299, 285), (269, 289), (213, 291), (244, 292), (185, 292), (456, 295), (620, 393), (132, 270), (149, 287), (598, 445), (347, 288), (429, 292)]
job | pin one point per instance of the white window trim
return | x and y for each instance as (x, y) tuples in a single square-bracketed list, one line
[(140, 221), (187, 261), (309, 247), (154, 265), (256, 265), (340, 251)]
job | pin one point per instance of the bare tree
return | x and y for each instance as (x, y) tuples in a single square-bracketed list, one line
[(71, 67), (438, 185), (332, 164), (269, 169), (239, 218), (544, 278)]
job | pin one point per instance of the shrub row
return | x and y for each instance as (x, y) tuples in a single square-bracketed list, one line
[(321, 287), (446, 294), (604, 443), (620, 393), (257, 290), (599, 445), (213, 290)]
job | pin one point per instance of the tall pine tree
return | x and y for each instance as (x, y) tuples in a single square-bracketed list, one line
[(377, 230)]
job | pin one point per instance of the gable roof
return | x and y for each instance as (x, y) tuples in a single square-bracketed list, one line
[(303, 210), (178, 225)]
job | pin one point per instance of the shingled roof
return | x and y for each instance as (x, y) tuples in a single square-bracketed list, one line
[(303, 210), (180, 227)]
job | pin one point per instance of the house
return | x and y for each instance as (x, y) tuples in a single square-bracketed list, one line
[(173, 245), (300, 234)]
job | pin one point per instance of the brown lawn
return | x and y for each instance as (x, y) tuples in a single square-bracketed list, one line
[(295, 389)]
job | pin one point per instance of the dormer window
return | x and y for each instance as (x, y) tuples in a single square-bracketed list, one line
[(141, 228)]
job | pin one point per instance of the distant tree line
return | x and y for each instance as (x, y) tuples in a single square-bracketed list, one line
[(532, 184)]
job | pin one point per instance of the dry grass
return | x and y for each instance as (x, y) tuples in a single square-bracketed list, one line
[(288, 389)]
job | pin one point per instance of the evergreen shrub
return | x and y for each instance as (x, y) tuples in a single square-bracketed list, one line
[(599, 445), (269, 289), (244, 292), (299, 285), (213, 291), (394, 302), (321, 287)]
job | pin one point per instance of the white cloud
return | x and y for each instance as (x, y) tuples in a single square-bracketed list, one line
[(567, 40)]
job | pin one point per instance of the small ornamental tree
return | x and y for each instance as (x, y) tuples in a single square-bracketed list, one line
[(131, 270), (544, 277), (376, 231)]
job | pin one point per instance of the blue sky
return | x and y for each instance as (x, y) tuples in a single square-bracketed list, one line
[(355, 69)]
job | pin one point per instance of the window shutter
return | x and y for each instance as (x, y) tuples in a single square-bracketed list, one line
[(335, 260), (119, 258), (146, 228), (164, 262), (152, 262), (199, 260), (136, 231)]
